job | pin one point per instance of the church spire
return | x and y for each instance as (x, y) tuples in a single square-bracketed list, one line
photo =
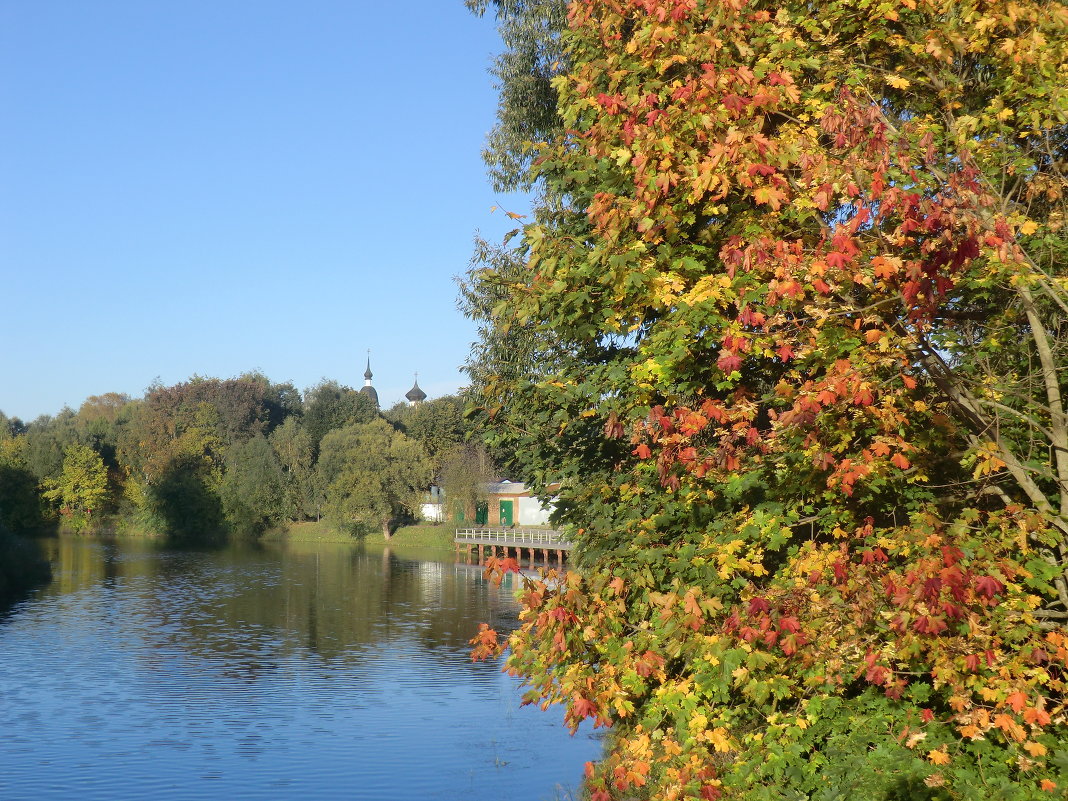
[(367, 389)]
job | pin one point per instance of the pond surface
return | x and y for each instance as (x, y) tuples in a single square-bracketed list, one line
[(275, 672)]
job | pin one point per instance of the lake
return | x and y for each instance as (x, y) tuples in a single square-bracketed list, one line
[(312, 671)]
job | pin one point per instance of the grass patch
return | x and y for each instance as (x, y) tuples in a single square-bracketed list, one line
[(423, 535), (307, 531)]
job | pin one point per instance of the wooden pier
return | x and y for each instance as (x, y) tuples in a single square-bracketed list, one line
[(512, 542)]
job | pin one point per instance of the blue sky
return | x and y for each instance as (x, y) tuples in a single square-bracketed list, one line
[(211, 187)]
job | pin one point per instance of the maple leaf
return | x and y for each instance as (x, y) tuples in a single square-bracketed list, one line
[(1035, 749), (1016, 701), (583, 707), (1010, 727), (988, 586), (1037, 716), (938, 757)]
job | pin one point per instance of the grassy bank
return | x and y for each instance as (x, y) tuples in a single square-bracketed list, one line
[(417, 536)]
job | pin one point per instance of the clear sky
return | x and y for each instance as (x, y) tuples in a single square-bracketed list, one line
[(216, 186)]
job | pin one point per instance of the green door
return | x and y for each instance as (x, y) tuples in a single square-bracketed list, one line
[(482, 514), (506, 513)]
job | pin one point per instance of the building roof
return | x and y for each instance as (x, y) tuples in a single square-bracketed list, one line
[(507, 488), (367, 389), (415, 394)]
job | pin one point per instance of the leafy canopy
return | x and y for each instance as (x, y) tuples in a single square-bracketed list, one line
[(801, 330)]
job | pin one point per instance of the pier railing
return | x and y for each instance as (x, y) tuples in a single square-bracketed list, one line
[(513, 538)]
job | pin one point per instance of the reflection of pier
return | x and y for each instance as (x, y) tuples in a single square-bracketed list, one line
[(512, 542)]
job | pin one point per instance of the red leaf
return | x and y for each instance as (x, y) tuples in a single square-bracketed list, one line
[(988, 586)]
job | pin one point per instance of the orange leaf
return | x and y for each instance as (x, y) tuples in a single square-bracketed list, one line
[(938, 757), (1016, 701), (1010, 727), (1035, 749)]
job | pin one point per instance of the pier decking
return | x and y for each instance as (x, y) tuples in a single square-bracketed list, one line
[(513, 542)]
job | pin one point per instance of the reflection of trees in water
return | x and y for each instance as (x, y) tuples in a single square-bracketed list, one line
[(244, 610)]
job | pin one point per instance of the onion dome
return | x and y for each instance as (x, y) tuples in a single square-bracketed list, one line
[(415, 395), (367, 389)]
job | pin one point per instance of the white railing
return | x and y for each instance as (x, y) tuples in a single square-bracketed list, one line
[(512, 536)]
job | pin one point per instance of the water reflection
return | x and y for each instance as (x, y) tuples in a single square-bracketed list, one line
[(262, 672)]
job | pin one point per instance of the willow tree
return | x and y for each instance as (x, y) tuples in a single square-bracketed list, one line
[(804, 323)]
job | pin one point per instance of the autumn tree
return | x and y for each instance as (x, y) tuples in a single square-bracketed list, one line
[(81, 488), (803, 325)]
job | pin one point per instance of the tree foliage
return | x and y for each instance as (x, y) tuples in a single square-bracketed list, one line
[(253, 490), (374, 475), (81, 488), (330, 405), (804, 330), (527, 112)]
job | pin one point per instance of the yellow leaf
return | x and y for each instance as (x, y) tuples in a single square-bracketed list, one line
[(938, 757), (719, 739), (898, 82), (1035, 749), (1028, 228)]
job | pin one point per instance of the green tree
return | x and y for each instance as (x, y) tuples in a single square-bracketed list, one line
[(20, 502), (293, 447), (81, 487), (465, 470), (527, 111), (46, 441), (374, 475), (330, 405), (253, 490), (801, 328), (182, 501), (438, 425)]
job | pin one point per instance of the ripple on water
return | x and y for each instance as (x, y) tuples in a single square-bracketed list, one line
[(269, 675)]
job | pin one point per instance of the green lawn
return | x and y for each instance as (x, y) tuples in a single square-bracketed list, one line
[(425, 535)]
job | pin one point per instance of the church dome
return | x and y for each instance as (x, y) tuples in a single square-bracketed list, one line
[(415, 394), (367, 389)]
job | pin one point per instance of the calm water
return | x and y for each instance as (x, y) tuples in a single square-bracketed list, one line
[(299, 671)]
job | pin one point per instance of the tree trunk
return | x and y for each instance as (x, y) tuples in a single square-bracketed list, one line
[(387, 531)]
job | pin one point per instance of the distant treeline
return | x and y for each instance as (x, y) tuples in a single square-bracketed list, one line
[(210, 457)]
